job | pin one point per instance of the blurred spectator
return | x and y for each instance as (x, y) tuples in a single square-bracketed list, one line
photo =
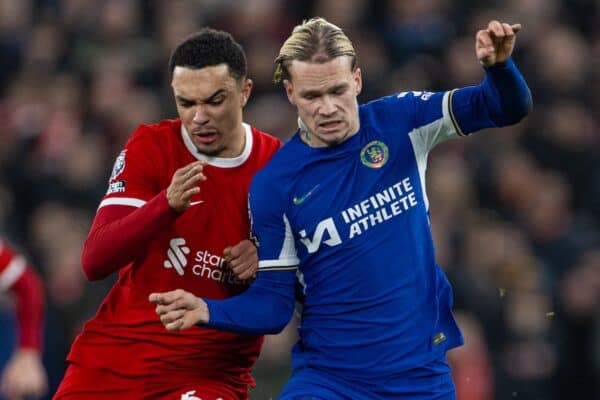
[(471, 364), (24, 375), (515, 217)]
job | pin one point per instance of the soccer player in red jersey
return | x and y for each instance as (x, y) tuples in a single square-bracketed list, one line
[(24, 375), (175, 216)]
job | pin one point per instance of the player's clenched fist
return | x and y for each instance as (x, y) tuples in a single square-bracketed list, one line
[(179, 310), (496, 43), (184, 185), (242, 259)]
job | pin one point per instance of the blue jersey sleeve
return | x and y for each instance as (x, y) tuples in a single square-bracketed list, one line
[(503, 98), (270, 225), (265, 308)]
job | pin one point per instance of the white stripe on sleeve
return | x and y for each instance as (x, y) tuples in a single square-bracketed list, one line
[(13, 271), (122, 201)]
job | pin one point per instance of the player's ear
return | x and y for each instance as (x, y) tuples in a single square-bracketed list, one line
[(289, 90), (246, 91), (358, 80)]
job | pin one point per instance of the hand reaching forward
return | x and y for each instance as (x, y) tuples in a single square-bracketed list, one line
[(24, 376), (184, 185), (242, 259), (179, 310), (496, 43)]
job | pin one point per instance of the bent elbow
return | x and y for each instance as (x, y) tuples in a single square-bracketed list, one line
[(523, 109), (90, 266), (283, 315), (516, 112)]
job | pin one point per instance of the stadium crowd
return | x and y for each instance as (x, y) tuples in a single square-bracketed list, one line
[(515, 215)]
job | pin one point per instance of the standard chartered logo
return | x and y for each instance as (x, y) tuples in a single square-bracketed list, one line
[(177, 255), (202, 263)]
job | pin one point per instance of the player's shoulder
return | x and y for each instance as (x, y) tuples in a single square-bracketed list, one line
[(265, 142), (285, 162), (400, 99), (160, 132)]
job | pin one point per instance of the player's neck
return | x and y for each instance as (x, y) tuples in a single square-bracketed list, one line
[(241, 142), (238, 144)]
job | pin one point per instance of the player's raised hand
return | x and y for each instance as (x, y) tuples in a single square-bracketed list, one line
[(242, 259), (184, 185), (496, 43), (179, 310)]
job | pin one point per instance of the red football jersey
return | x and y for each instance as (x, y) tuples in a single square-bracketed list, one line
[(126, 335), (12, 266)]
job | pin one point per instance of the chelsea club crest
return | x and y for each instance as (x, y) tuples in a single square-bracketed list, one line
[(375, 154)]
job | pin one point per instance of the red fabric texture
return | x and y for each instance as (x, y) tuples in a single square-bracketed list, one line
[(80, 383), (29, 296), (154, 249), (120, 234)]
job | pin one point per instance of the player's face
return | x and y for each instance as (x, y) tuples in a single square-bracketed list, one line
[(209, 102), (325, 96)]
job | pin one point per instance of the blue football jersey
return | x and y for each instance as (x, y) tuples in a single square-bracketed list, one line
[(353, 219)]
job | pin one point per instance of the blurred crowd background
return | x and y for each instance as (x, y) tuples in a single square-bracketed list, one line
[(515, 212)]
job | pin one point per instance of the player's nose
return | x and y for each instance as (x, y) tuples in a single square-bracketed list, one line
[(200, 115), (327, 106)]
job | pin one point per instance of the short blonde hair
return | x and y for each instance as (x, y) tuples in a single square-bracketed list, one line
[(316, 40)]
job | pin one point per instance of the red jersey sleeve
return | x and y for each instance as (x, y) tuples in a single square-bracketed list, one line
[(24, 283), (133, 211)]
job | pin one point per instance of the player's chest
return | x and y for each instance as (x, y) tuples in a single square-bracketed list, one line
[(345, 202)]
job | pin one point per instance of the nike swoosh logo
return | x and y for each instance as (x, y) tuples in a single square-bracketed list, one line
[(299, 200), (193, 203)]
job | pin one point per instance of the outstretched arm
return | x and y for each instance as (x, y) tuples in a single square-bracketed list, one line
[(265, 308)]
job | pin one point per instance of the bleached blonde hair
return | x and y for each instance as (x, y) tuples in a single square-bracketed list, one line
[(316, 40)]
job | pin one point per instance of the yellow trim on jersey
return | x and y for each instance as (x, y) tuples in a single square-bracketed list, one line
[(276, 268), (452, 116)]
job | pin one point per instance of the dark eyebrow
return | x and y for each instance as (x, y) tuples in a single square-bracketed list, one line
[(183, 99), (215, 94), (338, 87), (206, 100)]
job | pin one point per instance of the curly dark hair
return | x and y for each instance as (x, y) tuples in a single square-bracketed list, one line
[(209, 47)]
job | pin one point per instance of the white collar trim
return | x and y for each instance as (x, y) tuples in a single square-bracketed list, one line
[(221, 162)]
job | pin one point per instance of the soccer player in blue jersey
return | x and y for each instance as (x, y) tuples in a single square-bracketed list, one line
[(342, 209)]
